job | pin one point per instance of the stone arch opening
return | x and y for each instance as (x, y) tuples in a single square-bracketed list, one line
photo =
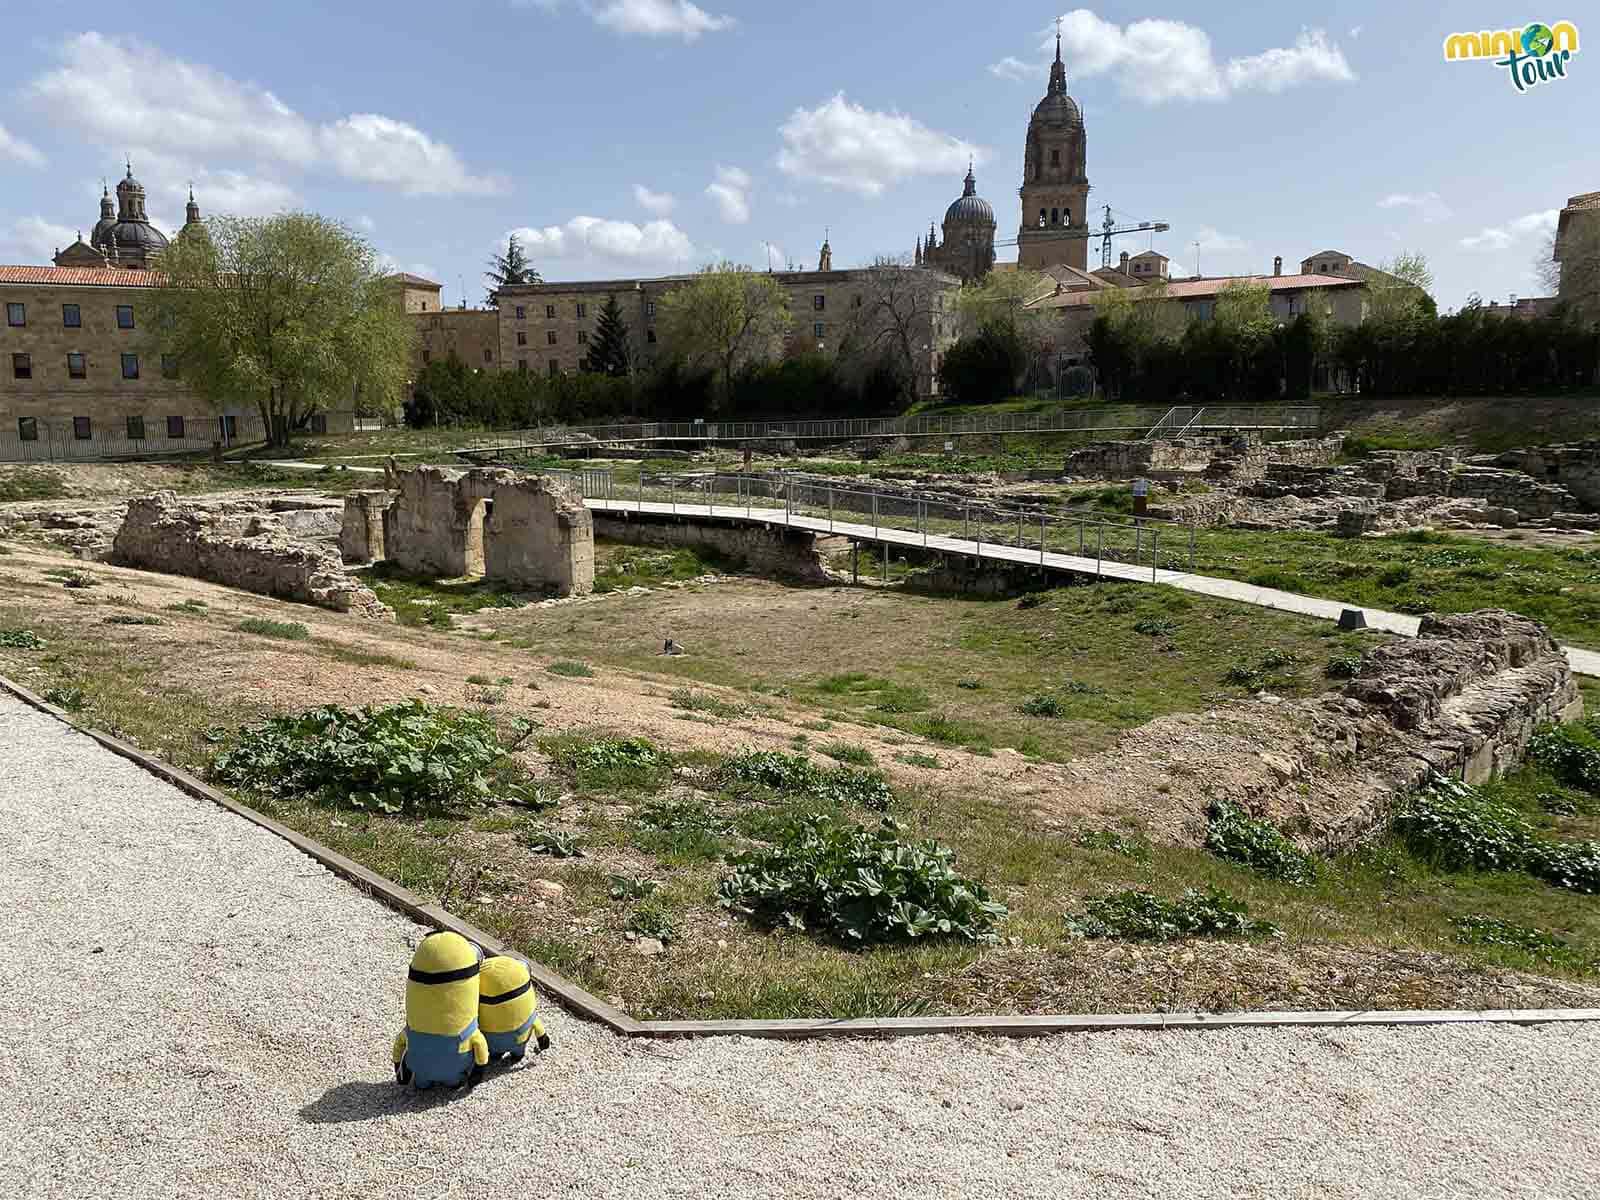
[(472, 543), (1055, 216)]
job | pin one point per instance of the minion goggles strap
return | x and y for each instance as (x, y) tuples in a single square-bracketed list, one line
[(455, 976), (520, 990)]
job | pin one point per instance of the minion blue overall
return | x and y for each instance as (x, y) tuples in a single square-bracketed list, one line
[(441, 1043), (508, 1008)]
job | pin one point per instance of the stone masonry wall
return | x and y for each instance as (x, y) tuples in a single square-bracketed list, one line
[(361, 535), (539, 534), (768, 550), (1575, 467), (160, 534)]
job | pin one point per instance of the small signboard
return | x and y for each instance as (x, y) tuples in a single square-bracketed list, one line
[(1141, 487)]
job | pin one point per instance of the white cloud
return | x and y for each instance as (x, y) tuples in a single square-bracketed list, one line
[(1212, 239), (376, 149), (1355, 31), (788, 200), (1521, 229), (659, 204), (659, 18), (1159, 60), (13, 147), (845, 145), (615, 241), (33, 240), (121, 92), (731, 191), (1429, 205), (366, 222)]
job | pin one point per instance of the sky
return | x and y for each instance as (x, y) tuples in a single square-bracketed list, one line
[(648, 137)]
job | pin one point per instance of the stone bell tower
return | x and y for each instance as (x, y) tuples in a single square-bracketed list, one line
[(1055, 187)]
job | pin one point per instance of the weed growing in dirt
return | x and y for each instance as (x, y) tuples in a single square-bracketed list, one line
[(1343, 666), (1110, 840), (572, 670), (20, 639), (1155, 627), (1049, 707), (188, 606), (628, 887), (31, 483), (915, 758), (1143, 916), (289, 631), (556, 845), (797, 775), (847, 752), (606, 763), (650, 919), (70, 698), (480, 680), (132, 619), (860, 887), (406, 758), (1235, 835), (1571, 753), (690, 700)]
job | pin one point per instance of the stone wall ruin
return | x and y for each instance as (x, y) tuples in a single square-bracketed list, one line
[(255, 554), (533, 532)]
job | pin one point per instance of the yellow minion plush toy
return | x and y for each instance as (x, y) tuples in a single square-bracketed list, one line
[(441, 1043), (508, 1008)]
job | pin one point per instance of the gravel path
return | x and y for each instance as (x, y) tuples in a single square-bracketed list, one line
[(188, 1007)]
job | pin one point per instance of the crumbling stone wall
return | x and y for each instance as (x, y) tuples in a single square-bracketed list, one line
[(539, 534), (434, 525), (160, 534), (1242, 461), (1462, 698), (1575, 467), (767, 549), (361, 534), (1124, 460)]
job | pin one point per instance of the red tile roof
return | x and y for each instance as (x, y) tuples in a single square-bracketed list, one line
[(1194, 289), (81, 276)]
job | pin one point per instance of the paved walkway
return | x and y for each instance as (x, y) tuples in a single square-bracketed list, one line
[(190, 1007)]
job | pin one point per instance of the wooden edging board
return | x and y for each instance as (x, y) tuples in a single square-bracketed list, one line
[(576, 1000)]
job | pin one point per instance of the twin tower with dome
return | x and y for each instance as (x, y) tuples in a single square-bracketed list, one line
[(1055, 198), (124, 237)]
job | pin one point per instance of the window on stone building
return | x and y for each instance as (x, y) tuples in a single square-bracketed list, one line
[(82, 429), (130, 366), (169, 366), (522, 365), (550, 312), (424, 306), (77, 367), (175, 427), (136, 429), (488, 356), (819, 302), (28, 429), (550, 336), (522, 313), (16, 314), (583, 338), (649, 308), (1042, 216), (857, 302), (124, 316), (22, 366), (1055, 216), (650, 336), (818, 329), (1055, 158), (427, 357), (522, 337), (583, 311), (71, 318), (555, 368)]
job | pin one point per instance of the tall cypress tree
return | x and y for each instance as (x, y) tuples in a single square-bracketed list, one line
[(609, 351)]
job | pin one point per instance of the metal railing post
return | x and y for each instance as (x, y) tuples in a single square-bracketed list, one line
[(830, 510), (641, 491), (1099, 547), (1080, 537), (1155, 552), (1019, 531), (672, 494), (1191, 547), (788, 498), (1041, 539), (874, 512), (966, 524), (924, 517)]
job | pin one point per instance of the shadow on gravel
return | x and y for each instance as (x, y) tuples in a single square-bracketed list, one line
[(347, 1102)]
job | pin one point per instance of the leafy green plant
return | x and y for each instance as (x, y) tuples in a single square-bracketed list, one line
[(79, 579), (1343, 666), (132, 619), (627, 887), (847, 752), (861, 887), (915, 758), (1135, 848), (481, 680), (1571, 753), (1049, 707), (404, 758), (1479, 930), (690, 700), (71, 699), (572, 670), (1144, 916), (289, 631), (650, 919), (1571, 865), (188, 606), (20, 639), (795, 774), (682, 815), (1242, 676), (1275, 659), (1452, 826), (971, 685), (1235, 835), (553, 843), (1032, 600), (607, 762), (849, 786), (1155, 627)]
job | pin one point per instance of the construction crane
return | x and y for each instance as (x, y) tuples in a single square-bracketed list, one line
[(1108, 230)]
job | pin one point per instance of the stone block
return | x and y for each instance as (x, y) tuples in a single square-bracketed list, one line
[(538, 534)]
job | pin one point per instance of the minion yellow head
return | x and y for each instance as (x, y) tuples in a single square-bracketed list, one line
[(506, 997), (442, 986)]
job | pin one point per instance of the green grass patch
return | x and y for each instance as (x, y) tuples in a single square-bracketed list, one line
[(571, 669), (20, 639), (420, 601), (1145, 917), (288, 631), (847, 752), (31, 483)]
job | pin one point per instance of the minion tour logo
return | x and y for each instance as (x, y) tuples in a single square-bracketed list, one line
[(1534, 55)]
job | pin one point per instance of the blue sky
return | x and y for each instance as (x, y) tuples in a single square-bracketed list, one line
[(649, 136)]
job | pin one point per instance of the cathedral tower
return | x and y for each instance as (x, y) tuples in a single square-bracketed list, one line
[(1055, 188)]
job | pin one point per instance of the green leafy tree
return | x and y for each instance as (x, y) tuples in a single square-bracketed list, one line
[(728, 317), (291, 313), (983, 368), (610, 349), (510, 268)]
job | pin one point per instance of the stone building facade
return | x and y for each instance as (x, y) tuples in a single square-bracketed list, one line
[(1055, 183), (546, 327)]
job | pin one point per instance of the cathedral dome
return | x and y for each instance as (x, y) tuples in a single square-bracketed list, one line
[(140, 237), (1058, 108), (971, 208)]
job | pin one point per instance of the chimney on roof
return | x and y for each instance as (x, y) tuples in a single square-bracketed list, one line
[(1277, 264), (1123, 265)]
